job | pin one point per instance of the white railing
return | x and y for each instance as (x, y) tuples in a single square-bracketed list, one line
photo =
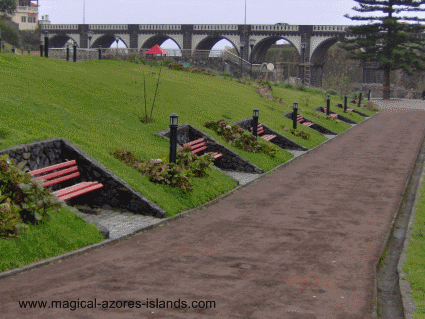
[(208, 27), (330, 28), (160, 27), (20, 9), (108, 26), (59, 26), (273, 27)]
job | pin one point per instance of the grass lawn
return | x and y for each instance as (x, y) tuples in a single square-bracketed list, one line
[(96, 105), (415, 261), (65, 232)]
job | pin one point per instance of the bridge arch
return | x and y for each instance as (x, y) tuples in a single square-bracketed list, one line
[(105, 41), (259, 51), (158, 39), (209, 42), (60, 40)]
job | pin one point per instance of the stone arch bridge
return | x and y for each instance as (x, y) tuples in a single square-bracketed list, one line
[(310, 41)]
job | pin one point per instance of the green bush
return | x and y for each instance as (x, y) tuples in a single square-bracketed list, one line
[(238, 137), (8, 34), (175, 175), (299, 133), (301, 88), (23, 199), (135, 58)]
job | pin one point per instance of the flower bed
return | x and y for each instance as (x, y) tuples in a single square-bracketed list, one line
[(238, 137)]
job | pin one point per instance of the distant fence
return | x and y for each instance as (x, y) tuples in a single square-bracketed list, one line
[(125, 53)]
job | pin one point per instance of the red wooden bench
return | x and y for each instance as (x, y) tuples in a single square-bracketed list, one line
[(260, 130), (301, 120), (198, 146), (64, 172)]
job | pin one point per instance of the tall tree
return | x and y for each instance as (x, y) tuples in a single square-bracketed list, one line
[(8, 6), (394, 40)]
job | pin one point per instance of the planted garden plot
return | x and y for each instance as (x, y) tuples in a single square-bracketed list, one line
[(319, 128)]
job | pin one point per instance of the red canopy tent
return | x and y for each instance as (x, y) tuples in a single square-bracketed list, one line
[(156, 50)]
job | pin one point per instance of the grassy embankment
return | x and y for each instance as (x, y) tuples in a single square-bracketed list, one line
[(415, 262), (96, 105)]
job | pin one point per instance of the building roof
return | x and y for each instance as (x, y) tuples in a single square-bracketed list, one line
[(156, 49)]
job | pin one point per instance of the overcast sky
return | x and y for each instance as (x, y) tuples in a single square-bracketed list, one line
[(301, 12)]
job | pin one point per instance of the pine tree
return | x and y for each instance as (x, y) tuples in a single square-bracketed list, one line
[(392, 40), (8, 6)]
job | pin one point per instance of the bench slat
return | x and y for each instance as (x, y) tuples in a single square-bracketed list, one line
[(195, 146), (80, 192), (61, 179), (73, 188), (56, 174), (199, 149), (194, 142), (52, 168)]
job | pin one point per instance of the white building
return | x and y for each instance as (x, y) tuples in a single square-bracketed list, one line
[(26, 14)]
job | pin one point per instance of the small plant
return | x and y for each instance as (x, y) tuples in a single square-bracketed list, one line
[(23, 200), (162, 172), (299, 133), (301, 88), (135, 58), (145, 118), (239, 138), (227, 115)]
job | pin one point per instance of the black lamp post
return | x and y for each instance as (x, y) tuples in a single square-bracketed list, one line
[(251, 44), (13, 49), (29, 50), (255, 122), (173, 137), (41, 48), (328, 104), (360, 98), (0, 42), (90, 36), (75, 52), (46, 44), (242, 44), (67, 52), (303, 46), (345, 103), (368, 95), (100, 52), (294, 115)]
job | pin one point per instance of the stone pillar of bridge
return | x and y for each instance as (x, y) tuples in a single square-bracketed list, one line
[(244, 33), (305, 67), (187, 30), (316, 75), (133, 30), (84, 40)]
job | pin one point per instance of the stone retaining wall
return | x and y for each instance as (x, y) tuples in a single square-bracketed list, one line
[(229, 161), (115, 194), (321, 109), (319, 128), (280, 140)]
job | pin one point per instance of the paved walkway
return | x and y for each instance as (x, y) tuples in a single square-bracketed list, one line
[(301, 242)]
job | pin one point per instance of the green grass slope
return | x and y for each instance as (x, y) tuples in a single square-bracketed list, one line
[(97, 104)]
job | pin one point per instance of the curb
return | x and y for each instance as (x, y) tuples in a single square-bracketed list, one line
[(83, 250)]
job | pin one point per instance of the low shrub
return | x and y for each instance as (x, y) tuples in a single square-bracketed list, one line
[(299, 133), (23, 200), (135, 58), (175, 175), (239, 138)]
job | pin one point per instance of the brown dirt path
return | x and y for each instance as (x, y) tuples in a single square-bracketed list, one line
[(301, 242)]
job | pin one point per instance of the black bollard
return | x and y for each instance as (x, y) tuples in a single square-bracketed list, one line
[(173, 137), (67, 52), (328, 105), (13, 49), (255, 122), (46, 46), (360, 98), (294, 115), (368, 95), (75, 52), (41, 49), (100, 52), (345, 103)]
